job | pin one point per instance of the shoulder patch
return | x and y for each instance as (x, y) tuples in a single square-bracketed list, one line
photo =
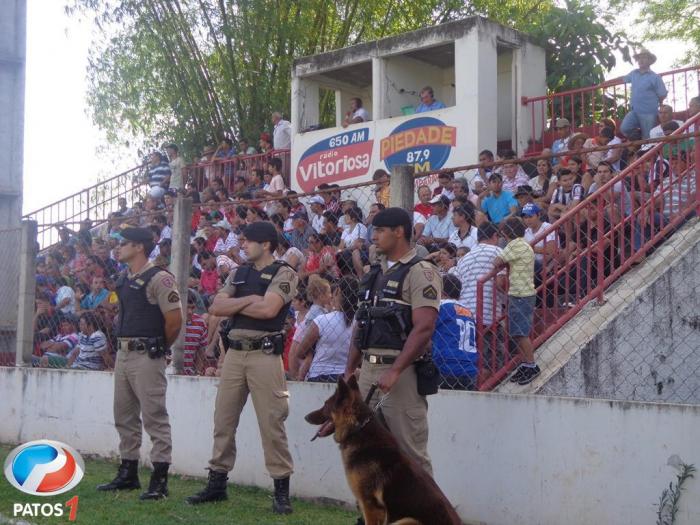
[(168, 281), (429, 274), (173, 297), (284, 286), (429, 292)]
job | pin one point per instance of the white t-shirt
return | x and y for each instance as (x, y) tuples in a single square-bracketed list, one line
[(469, 241), (530, 235), (282, 135), (333, 345), (351, 235), (362, 114), (66, 292)]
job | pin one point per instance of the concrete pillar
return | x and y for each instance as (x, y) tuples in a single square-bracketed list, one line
[(379, 102), (402, 187), (180, 266), (27, 294)]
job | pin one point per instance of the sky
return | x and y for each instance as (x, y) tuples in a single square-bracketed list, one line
[(61, 142)]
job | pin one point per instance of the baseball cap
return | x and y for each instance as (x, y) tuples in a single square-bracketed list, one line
[(137, 234), (223, 224), (562, 123), (299, 215), (317, 199), (440, 199), (260, 232), (530, 209)]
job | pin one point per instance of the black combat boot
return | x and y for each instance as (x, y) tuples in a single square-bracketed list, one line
[(127, 477), (280, 499), (158, 486), (214, 491)]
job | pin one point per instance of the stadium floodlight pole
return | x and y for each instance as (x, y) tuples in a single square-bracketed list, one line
[(182, 221), (402, 187), (27, 294)]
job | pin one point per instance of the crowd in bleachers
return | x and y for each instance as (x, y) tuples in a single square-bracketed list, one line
[(327, 239)]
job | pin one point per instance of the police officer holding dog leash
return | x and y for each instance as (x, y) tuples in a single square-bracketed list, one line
[(399, 304), (150, 317), (256, 299)]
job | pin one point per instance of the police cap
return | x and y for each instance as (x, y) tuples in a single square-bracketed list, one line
[(392, 217), (137, 234), (260, 232)]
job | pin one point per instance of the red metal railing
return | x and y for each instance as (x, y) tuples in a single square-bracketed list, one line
[(599, 239), (586, 107), (227, 169)]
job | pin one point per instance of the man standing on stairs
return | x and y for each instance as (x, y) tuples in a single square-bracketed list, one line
[(150, 317), (256, 298)]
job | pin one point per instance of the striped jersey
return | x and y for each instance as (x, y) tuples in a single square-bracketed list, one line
[(91, 348), (196, 336)]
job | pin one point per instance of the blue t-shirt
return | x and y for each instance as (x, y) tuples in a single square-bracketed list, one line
[(498, 207), (90, 301), (647, 89), (422, 108), (454, 340)]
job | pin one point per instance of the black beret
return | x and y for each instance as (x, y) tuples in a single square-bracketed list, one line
[(260, 232), (392, 217), (137, 234)]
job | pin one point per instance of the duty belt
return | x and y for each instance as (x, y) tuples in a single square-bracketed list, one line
[(264, 343), (379, 359), (139, 344)]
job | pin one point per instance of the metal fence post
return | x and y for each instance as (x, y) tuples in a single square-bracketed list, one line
[(27, 293), (182, 225), (402, 187)]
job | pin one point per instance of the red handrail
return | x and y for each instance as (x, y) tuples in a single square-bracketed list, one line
[(609, 252)]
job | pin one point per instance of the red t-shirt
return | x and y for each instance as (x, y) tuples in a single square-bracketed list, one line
[(424, 209), (208, 281), (196, 335)]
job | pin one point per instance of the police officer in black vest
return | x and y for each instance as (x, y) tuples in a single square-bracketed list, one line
[(399, 304), (150, 317), (256, 298)]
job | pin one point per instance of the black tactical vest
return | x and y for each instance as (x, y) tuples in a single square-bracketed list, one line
[(249, 281), (138, 317), (390, 319)]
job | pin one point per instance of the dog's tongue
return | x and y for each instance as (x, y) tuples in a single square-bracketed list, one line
[(325, 430)]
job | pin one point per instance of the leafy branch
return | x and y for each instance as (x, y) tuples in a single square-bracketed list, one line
[(668, 503)]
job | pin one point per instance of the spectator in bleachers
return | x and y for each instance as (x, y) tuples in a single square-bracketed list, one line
[(294, 257), (439, 226), (561, 144), (329, 335), (244, 148), (444, 187), (318, 292), (567, 195), (158, 174), (282, 132), (257, 182), (454, 339), (92, 352), (423, 206), (445, 258), (275, 187), (665, 115), (65, 298), (177, 165), (321, 257), (512, 173), (381, 189), (648, 91), (478, 178), (544, 183), (478, 262), (196, 340), (497, 203), (524, 195), (693, 109), (374, 208), (428, 101), (299, 238), (520, 257), (209, 279), (461, 191), (265, 142), (532, 217), (355, 234), (317, 206), (227, 238), (331, 234), (465, 233), (604, 137), (55, 351), (356, 113), (98, 294)]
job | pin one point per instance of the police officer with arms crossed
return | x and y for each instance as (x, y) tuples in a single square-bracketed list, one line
[(256, 298), (399, 304), (150, 317)]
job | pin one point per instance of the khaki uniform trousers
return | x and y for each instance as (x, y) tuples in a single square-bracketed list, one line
[(261, 375), (404, 410), (139, 388)]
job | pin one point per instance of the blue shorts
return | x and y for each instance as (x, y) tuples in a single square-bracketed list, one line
[(520, 313)]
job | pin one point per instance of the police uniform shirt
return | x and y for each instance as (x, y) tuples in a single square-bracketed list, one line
[(161, 289), (284, 284), (421, 287)]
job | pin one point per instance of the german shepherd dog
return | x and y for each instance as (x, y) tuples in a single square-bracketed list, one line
[(388, 485)]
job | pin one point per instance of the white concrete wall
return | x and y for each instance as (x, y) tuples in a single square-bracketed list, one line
[(501, 459), (530, 81), (504, 88)]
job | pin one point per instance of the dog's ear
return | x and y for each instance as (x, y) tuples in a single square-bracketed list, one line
[(316, 417), (352, 383), (343, 390)]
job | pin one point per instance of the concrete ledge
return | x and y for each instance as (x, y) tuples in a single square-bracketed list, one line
[(501, 459)]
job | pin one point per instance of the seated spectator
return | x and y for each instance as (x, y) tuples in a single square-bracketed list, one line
[(331, 234), (356, 113), (444, 187), (329, 335), (605, 136), (461, 191), (665, 116), (355, 234), (265, 142), (317, 206), (374, 208), (439, 226), (257, 182), (65, 298), (520, 257), (92, 352), (244, 148), (454, 339), (98, 294), (444, 258), (55, 351), (381, 188), (424, 207), (561, 144), (524, 195), (275, 187), (512, 173), (209, 280), (567, 195), (465, 234), (299, 237), (544, 183), (226, 238), (478, 178), (292, 256), (427, 101), (46, 319), (693, 109), (321, 258), (496, 203), (574, 148), (196, 340), (534, 226), (318, 292)]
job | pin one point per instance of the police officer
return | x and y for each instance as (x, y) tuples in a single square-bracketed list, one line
[(256, 298), (399, 304), (150, 317)]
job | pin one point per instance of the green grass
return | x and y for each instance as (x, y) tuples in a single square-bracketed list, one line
[(246, 505)]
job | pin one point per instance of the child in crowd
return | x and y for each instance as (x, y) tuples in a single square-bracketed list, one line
[(518, 254)]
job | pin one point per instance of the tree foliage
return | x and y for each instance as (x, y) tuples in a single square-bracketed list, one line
[(192, 71)]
